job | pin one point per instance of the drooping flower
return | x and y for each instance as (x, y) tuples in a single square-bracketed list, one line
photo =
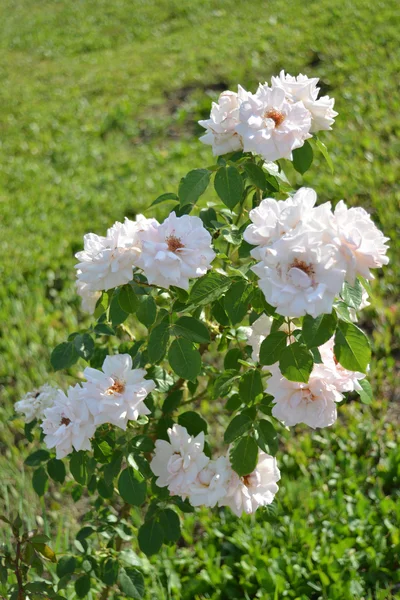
[(246, 494), (88, 297), (344, 380), (362, 245), (68, 423), (116, 394), (220, 127), (107, 262), (274, 218), (300, 275), (178, 462), (271, 126), (177, 250), (305, 90), (211, 484), (34, 403), (312, 403)]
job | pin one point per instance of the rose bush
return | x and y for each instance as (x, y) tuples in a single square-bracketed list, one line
[(249, 302)]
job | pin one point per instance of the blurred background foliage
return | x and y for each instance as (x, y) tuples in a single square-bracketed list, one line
[(98, 112)]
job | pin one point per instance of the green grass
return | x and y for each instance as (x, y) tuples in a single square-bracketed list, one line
[(99, 103)]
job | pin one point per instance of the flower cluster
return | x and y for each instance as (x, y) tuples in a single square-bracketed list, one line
[(182, 466), (312, 403), (33, 405), (114, 395), (306, 253), (271, 123), (169, 254)]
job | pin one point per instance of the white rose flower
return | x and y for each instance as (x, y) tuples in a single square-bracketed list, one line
[(274, 218), (246, 494), (175, 251), (312, 403), (271, 126), (224, 117), (68, 423), (177, 463), (107, 262), (211, 484), (303, 89), (89, 298), (116, 394), (300, 275), (33, 405), (362, 245), (344, 380)]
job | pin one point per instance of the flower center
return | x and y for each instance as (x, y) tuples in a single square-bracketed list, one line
[(118, 387), (174, 243), (303, 266), (276, 115), (65, 421), (307, 396)]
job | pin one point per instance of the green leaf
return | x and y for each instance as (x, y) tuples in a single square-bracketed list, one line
[(319, 330), (64, 356), (228, 184), (208, 288), (193, 422), (56, 470), (150, 537), (164, 198), (303, 157), (352, 347), (116, 314), (237, 427), (158, 341), (208, 215), (147, 310), (250, 386), (184, 359), (82, 586), (266, 436), (45, 551), (271, 348), (78, 467), (109, 571), (132, 490), (84, 345), (231, 360), (296, 363), (244, 455), (104, 488), (352, 295), (170, 524), (131, 582), (66, 565), (237, 300), (193, 185), (127, 299), (324, 151), (36, 458), (39, 481), (224, 383), (191, 329), (366, 395), (257, 176)]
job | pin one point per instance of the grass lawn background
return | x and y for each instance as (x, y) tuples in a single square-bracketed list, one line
[(98, 110)]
